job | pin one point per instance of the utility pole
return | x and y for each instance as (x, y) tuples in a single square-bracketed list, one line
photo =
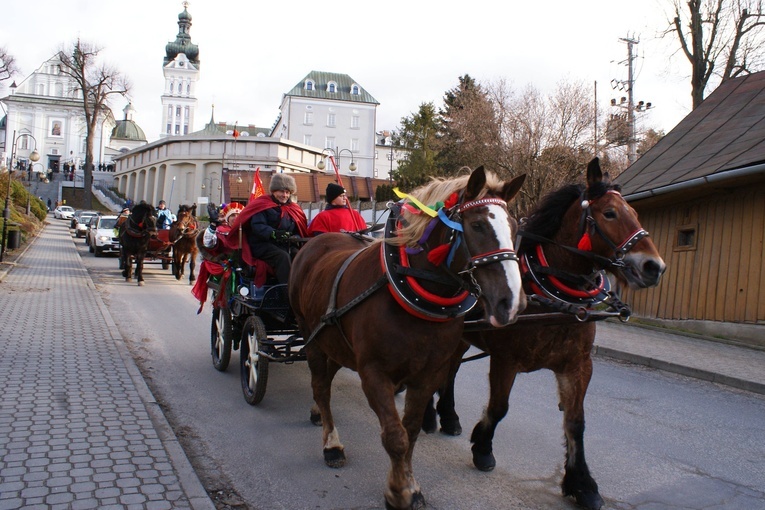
[(630, 105)]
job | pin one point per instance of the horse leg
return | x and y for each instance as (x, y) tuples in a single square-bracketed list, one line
[(192, 266), (450, 420), (501, 379), (398, 438), (177, 265), (127, 270), (139, 269), (323, 370), (577, 481)]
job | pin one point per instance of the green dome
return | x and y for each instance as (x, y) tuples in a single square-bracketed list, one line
[(128, 130)]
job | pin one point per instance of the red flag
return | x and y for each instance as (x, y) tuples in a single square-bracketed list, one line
[(257, 186)]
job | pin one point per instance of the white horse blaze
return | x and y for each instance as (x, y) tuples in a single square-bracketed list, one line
[(499, 222)]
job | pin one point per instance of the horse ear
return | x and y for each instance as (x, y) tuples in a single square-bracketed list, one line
[(476, 183), (594, 174), (510, 189)]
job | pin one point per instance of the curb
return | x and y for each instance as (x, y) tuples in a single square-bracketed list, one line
[(679, 369)]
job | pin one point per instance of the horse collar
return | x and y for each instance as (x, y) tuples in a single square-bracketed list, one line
[(537, 272), (405, 289)]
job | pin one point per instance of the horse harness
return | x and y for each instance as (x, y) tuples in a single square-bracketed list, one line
[(400, 278), (136, 229), (574, 293)]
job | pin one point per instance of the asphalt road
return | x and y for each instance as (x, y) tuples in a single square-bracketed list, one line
[(653, 439)]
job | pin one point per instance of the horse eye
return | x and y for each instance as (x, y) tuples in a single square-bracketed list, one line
[(477, 226), (610, 214)]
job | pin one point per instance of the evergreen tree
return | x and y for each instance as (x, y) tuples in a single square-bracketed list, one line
[(418, 136)]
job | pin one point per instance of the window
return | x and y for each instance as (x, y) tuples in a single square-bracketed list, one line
[(169, 129), (329, 142), (308, 119), (355, 90), (354, 145), (685, 239), (178, 111), (188, 89), (186, 113), (309, 85), (177, 129), (307, 139), (355, 122), (169, 112), (332, 87), (331, 120), (172, 87)]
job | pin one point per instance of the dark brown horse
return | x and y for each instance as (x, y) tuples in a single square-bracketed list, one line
[(135, 234), (573, 234), (183, 235), (377, 328)]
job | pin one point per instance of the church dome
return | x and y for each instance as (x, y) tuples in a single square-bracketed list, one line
[(128, 130)]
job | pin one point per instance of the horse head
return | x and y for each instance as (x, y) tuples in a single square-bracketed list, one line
[(609, 227), (470, 239), (185, 223), (142, 218)]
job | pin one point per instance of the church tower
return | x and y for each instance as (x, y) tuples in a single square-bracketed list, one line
[(181, 70)]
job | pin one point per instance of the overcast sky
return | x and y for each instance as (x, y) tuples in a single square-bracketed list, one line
[(403, 53)]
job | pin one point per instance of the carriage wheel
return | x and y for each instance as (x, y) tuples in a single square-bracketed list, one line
[(254, 368), (221, 336)]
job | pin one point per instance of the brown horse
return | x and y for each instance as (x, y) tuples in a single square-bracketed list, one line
[(399, 322), (183, 235), (573, 234)]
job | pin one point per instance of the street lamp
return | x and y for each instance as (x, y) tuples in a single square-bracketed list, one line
[(33, 156), (332, 154)]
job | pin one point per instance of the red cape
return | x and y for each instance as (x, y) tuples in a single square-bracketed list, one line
[(260, 204)]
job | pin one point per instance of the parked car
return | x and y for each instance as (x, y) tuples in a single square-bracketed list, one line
[(81, 224), (101, 237), (63, 212), (77, 214)]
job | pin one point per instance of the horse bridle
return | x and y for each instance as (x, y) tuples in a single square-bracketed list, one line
[(453, 221), (587, 222)]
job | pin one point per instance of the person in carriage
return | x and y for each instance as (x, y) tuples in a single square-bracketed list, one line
[(165, 217), (337, 216)]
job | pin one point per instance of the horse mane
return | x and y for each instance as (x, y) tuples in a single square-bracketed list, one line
[(546, 218), (439, 189)]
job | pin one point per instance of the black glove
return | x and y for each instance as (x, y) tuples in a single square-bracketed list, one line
[(213, 213), (280, 235)]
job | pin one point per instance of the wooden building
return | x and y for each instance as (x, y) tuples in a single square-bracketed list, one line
[(700, 192)]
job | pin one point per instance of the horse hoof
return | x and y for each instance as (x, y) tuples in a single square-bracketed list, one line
[(589, 500), (129, 280), (451, 428), (334, 457), (484, 461), (124, 274), (140, 284), (418, 503), (316, 419)]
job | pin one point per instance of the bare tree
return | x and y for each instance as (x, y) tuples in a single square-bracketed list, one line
[(720, 38), (7, 64), (97, 83)]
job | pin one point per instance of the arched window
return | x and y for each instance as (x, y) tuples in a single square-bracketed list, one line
[(309, 84), (332, 87), (355, 90)]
